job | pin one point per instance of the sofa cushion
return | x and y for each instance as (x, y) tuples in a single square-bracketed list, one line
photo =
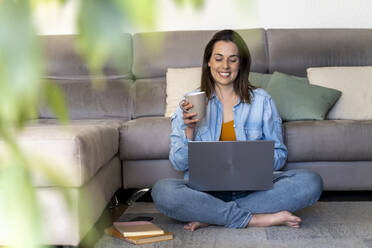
[(145, 138), (259, 79), (77, 151), (294, 50), (148, 97), (328, 140), (296, 99), (356, 86), (63, 62), (179, 82), (85, 102)]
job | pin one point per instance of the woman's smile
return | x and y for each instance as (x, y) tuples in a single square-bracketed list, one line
[(224, 74)]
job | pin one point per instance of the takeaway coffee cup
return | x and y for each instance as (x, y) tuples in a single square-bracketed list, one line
[(197, 99)]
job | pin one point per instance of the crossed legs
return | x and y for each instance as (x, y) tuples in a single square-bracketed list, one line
[(292, 190)]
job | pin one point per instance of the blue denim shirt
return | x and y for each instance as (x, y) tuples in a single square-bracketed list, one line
[(256, 121)]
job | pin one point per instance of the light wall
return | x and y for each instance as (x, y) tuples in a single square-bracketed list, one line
[(235, 14)]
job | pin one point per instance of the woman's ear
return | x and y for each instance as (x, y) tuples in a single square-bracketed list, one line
[(209, 65)]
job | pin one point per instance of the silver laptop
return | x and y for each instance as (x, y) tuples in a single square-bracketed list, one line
[(231, 165)]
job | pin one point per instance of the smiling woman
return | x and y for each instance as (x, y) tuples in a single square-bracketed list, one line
[(233, 107), (225, 70), (227, 59)]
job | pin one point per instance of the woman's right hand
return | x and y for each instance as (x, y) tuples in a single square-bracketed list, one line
[(187, 119)]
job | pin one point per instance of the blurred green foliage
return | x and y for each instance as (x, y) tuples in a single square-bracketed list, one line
[(195, 3), (22, 90), (100, 25)]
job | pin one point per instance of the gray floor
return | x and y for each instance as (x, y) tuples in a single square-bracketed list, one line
[(326, 224)]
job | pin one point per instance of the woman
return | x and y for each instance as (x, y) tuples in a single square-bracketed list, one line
[(236, 110)]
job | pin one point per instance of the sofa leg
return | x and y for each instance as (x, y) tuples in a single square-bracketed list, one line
[(114, 202), (136, 195)]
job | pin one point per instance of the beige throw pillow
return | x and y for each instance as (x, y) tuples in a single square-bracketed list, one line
[(179, 82), (355, 83)]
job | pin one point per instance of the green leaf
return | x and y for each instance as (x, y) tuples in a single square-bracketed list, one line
[(51, 172), (21, 64), (180, 3), (139, 13), (19, 209), (197, 4), (55, 99), (100, 28), (35, 3)]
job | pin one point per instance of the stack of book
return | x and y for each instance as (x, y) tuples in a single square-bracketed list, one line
[(138, 232)]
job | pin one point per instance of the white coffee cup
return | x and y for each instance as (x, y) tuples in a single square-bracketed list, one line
[(198, 100)]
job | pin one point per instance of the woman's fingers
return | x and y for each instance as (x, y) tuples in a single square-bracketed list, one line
[(188, 115), (191, 123), (186, 106), (188, 121)]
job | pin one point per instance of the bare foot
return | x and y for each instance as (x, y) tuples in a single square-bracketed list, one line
[(276, 219), (192, 226)]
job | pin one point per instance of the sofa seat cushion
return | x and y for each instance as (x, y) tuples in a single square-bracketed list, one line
[(328, 140), (145, 138), (76, 151)]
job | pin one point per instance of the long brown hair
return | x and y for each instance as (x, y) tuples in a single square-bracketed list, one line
[(242, 86)]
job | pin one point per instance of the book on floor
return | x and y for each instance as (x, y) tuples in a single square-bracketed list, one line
[(139, 240), (137, 228)]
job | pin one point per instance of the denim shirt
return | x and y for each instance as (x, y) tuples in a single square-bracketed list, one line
[(256, 121)]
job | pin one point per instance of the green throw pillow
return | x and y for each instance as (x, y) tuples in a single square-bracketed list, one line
[(259, 79), (296, 99)]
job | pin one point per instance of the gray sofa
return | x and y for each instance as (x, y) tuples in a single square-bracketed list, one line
[(338, 150), (119, 137)]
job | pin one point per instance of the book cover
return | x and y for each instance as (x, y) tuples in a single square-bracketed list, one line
[(137, 228), (139, 240)]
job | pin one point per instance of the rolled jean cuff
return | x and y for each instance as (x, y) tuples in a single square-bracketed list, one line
[(246, 220)]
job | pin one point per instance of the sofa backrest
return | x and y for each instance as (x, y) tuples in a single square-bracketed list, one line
[(292, 51), (67, 69), (138, 88)]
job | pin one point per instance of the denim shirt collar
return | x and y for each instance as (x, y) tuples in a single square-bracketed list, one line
[(219, 104)]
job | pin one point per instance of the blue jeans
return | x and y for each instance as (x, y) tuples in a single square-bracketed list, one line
[(292, 190)]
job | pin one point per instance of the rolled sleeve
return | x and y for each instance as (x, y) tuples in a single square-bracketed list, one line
[(178, 153)]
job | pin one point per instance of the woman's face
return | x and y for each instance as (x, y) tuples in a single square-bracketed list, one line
[(224, 62)]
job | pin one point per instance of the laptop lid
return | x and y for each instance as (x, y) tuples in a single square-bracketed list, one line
[(231, 165)]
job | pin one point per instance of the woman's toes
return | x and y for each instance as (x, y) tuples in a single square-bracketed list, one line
[(187, 226), (192, 226), (293, 224)]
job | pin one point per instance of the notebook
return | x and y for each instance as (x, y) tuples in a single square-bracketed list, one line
[(137, 228), (231, 165), (138, 240)]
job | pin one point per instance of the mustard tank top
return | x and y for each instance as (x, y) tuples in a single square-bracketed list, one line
[(228, 131)]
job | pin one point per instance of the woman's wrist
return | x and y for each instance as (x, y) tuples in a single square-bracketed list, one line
[(189, 133)]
